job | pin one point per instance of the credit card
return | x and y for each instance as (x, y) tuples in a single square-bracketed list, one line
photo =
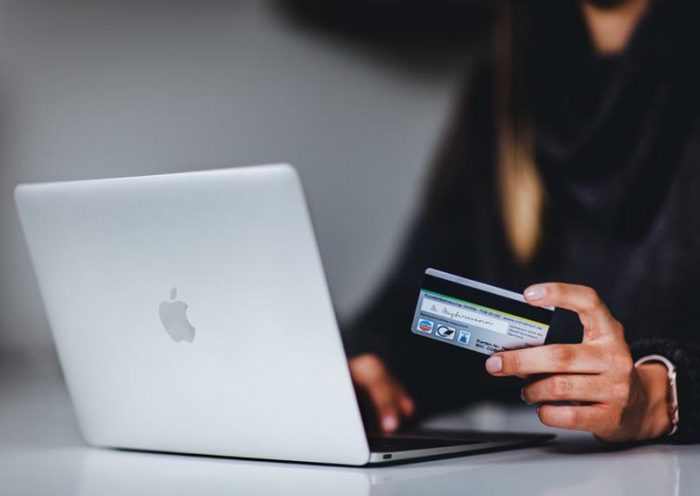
[(476, 316)]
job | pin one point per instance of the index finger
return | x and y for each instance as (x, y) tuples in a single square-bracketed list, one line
[(592, 312), (547, 359)]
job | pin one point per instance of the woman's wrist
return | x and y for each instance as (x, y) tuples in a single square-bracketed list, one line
[(656, 422)]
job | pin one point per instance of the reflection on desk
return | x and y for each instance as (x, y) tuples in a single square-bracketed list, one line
[(647, 471)]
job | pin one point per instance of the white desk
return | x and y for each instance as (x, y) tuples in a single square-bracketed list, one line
[(41, 453)]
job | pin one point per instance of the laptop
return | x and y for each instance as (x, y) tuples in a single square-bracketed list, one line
[(191, 314)]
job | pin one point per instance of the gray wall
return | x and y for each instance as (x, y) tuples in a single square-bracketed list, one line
[(96, 89)]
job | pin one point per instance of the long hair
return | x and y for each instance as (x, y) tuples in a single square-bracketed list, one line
[(519, 185), (509, 120)]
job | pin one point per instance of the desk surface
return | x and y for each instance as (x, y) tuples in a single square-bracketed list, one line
[(41, 452)]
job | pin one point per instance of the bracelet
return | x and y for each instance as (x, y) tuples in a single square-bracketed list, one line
[(673, 389)]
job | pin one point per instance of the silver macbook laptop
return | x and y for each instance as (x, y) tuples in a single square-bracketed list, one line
[(191, 314)]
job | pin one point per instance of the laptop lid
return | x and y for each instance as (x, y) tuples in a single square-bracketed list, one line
[(191, 314)]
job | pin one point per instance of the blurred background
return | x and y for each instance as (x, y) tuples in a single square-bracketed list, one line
[(355, 93)]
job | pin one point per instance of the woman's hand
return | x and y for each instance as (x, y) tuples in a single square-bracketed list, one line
[(387, 399), (611, 398)]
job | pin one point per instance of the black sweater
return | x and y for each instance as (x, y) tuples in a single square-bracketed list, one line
[(621, 165)]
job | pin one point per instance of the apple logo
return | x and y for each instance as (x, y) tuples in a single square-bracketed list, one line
[(173, 315)]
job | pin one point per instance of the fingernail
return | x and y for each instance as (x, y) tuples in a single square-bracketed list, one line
[(535, 292), (390, 423), (494, 364), (522, 395)]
